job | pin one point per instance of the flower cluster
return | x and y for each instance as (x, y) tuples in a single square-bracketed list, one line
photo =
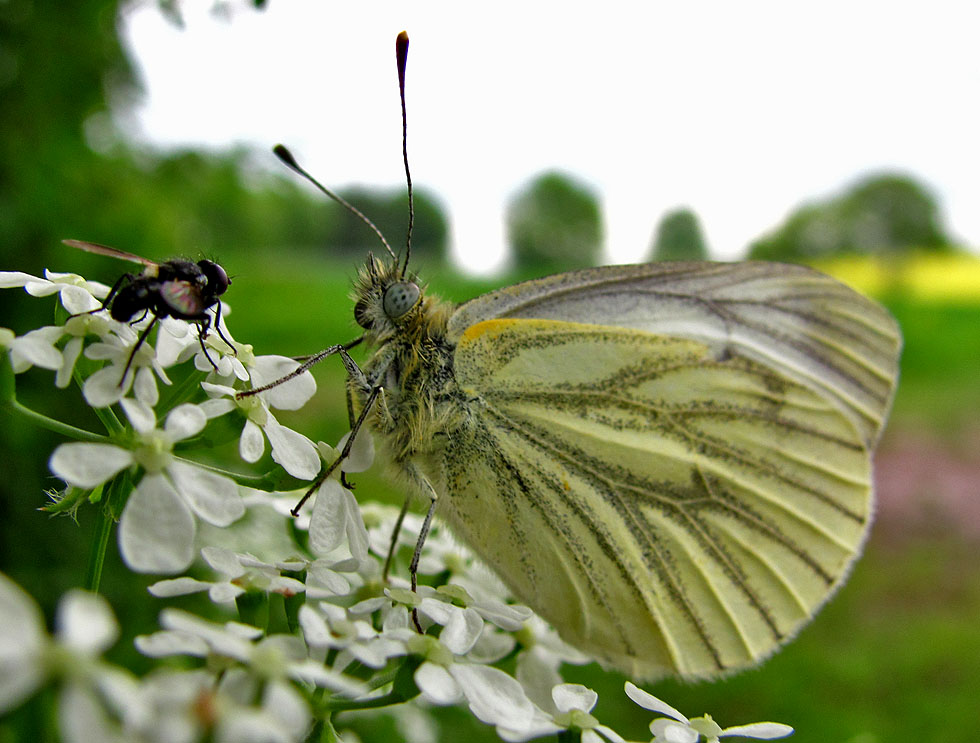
[(319, 630)]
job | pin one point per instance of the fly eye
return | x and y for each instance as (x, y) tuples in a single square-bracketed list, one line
[(217, 278), (399, 298), (360, 314)]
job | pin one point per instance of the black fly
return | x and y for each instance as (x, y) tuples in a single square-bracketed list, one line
[(176, 288)]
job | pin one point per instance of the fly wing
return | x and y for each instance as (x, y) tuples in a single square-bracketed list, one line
[(792, 319), (184, 298), (111, 252)]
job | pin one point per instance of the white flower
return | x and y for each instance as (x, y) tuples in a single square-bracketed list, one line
[(336, 516), (541, 656), (107, 386), (21, 644), (77, 294), (223, 361), (37, 348), (336, 520), (679, 729), (493, 697), (79, 297), (241, 572), (157, 528), (187, 706), (329, 626), (276, 657), (294, 451), (92, 693)]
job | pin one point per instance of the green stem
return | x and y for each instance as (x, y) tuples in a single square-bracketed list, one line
[(276, 479), (51, 424), (180, 392), (93, 576), (339, 705)]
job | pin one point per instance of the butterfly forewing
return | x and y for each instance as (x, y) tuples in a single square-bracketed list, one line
[(795, 320), (667, 509)]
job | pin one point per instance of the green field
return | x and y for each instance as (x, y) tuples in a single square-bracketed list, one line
[(894, 657)]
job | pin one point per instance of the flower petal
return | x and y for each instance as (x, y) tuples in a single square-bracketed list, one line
[(69, 355), (86, 623), (328, 521), (213, 497), (357, 536), (671, 731), (224, 561), (763, 730), (81, 718), (141, 416), (171, 642), (292, 395), (145, 386), (177, 587), (185, 421), (224, 593), (37, 347), (77, 300), (462, 630), (87, 465), (251, 446), (650, 702), (20, 644), (436, 684), (156, 531), (573, 696), (12, 279), (497, 699), (103, 388), (361, 455), (295, 452)]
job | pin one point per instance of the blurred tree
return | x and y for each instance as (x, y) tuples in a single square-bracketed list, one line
[(389, 212), (554, 224), (882, 214), (679, 238)]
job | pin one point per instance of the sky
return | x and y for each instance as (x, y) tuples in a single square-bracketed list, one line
[(740, 111)]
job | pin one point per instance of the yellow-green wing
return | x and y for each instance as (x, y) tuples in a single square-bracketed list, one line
[(668, 509), (792, 319)]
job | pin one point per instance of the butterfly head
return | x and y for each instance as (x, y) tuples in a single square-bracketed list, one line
[(385, 301)]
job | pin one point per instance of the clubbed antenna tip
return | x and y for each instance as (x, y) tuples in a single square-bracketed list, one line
[(286, 156)]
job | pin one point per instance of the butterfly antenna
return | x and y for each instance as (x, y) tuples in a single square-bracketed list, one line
[(287, 158), (401, 58)]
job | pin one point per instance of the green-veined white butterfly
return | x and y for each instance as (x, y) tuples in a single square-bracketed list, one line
[(669, 462)]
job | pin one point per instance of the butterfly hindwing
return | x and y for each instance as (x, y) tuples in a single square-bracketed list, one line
[(667, 509)]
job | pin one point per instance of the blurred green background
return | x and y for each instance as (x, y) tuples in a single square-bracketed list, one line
[(895, 656)]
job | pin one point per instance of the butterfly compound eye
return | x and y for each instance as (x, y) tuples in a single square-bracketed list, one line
[(399, 298), (361, 314)]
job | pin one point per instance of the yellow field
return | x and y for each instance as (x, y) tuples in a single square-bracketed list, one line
[(924, 276)]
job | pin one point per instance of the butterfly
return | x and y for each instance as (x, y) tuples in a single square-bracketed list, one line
[(669, 462)]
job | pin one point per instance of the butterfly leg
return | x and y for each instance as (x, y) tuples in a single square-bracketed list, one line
[(306, 365), (423, 484), (344, 452)]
